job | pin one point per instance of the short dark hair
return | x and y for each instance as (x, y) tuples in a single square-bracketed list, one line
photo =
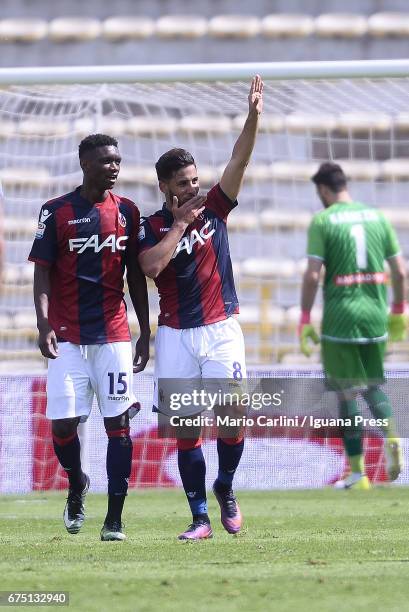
[(93, 141), (331, 175), (172, 161)]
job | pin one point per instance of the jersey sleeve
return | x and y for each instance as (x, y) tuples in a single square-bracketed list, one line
[(146, 236), (392, 246), (136, 219), (219, 203), (316, 243), (45, 246), (132, 214)]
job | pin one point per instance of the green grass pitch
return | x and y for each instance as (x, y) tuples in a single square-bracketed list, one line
[(299, 550)]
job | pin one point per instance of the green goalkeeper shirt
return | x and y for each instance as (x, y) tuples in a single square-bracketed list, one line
[(353, 241)]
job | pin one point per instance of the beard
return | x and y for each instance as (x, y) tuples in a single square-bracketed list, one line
[(181, 199)]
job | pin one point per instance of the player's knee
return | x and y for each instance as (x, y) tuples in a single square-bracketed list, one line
[(347, 395), (117, 423), (233, 440), (188, 443), (372, 394), (64, 428)]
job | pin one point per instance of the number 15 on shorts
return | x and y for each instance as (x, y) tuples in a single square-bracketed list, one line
[(118, 384)]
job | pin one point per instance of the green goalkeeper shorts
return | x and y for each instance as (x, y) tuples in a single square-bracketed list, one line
[(353, 366)]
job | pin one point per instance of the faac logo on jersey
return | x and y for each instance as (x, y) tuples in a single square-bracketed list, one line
[(112, 242), (195, 236)]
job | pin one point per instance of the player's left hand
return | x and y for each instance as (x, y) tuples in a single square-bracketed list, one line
[(141, 354), (397, 327), (256, 95), (307, 332), (47, 342)]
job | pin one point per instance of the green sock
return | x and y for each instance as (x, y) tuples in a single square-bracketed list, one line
[(380, 407), (357, 463), (352, 436)]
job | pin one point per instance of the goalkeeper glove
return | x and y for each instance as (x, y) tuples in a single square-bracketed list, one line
[(306, 331), (397, 322)]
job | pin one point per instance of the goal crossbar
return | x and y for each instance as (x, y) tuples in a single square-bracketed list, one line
[(205, 72)]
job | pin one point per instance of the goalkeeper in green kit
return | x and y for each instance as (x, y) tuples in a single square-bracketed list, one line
[(353, 241)]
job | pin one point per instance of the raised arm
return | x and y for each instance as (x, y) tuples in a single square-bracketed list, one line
[(234, 172), (155, 259), (47, 340)]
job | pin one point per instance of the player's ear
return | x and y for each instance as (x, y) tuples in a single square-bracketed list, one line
[(321, 192), (163, 186), (84, 163), (326, 192)]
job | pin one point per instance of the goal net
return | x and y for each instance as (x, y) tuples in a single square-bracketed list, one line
[(354, 114), (361, 122)]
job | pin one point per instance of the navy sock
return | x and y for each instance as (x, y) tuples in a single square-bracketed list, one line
[(229, 459), (68, 451), (115, 506), (119, 462), (192, 468)]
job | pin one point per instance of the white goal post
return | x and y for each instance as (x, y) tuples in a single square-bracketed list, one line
[(205, 72)]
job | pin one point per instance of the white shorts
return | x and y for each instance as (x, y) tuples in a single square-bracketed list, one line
[(215, 351), (82, 370)]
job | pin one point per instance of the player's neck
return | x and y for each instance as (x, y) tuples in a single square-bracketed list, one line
[(343, 197), (92, 194)]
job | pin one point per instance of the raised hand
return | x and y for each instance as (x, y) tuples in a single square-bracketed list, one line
[(256, 95)]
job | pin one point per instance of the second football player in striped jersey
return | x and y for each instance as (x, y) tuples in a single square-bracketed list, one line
[(184, 248)]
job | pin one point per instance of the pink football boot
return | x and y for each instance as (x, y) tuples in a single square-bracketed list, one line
[(198, 530), (230, 514)]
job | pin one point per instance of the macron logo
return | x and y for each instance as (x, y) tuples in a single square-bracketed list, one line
[(112, 243), (44, 215), (83, 220)]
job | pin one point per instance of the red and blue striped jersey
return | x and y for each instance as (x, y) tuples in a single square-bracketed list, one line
[(197, 286), (85, 247)]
